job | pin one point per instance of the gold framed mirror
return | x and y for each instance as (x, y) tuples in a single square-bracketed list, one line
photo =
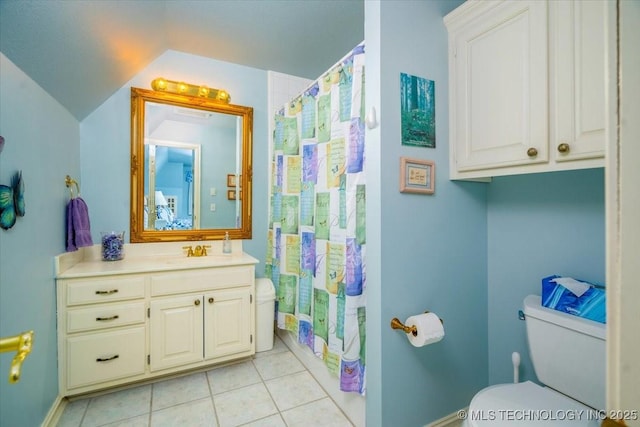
[(189, 154)]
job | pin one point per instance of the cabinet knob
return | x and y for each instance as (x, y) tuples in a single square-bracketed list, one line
[(211, 300), (197, 302), (532, 152), (563, 148)]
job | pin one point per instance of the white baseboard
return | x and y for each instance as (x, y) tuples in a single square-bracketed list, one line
[(451, 420), (55, 412)]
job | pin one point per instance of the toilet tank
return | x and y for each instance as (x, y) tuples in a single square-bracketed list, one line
[(568, 352)]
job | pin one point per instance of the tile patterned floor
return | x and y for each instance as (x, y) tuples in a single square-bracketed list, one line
[(272, 390)]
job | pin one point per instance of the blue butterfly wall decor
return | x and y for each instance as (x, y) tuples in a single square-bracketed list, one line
[(11, 202)]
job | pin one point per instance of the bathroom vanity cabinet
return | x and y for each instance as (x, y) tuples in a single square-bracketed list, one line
[(526, 83), (136, 319)]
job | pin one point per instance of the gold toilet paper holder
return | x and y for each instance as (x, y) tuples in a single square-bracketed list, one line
[(397, 324)]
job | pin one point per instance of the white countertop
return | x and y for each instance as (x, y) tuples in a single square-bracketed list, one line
[(147, 257)]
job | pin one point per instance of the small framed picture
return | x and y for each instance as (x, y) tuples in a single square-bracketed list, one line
[(417, 176), (231, 180), (233, 195)]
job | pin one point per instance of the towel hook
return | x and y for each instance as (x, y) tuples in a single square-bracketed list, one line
[(69, 182)]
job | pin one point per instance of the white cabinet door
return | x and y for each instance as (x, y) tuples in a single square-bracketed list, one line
[(498, 67), (577, 37), (175, 331), (227, 318)]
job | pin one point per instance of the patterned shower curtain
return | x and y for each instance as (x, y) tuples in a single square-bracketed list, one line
[(316, 238)]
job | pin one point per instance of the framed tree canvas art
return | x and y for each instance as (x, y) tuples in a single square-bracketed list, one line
[(418, 111)]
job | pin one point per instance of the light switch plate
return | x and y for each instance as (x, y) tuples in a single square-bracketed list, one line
[(212, 191), (213, 207)]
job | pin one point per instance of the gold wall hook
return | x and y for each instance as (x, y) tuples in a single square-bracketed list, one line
[(70, 182), (22, 344)]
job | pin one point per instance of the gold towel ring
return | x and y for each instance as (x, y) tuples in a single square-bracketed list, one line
[(69, 182)]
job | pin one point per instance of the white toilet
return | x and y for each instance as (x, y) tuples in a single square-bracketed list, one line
[(568, 355)]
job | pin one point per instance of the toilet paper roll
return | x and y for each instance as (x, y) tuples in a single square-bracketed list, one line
[(430, 329)]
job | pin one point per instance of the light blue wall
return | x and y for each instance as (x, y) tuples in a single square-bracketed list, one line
[(41, 139), (105, 148), (424, 252), (538, 225)]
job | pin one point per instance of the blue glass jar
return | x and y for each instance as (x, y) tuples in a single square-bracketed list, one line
[(112, 245)]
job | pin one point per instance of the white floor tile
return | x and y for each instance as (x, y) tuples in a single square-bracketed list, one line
[(277, 365), (272, 421), (322, 413), (118, 406), (294, 390), (179, 390), (244, 405), (278, 347), (140, 421), (232, 377), (73, 413), (197, 413)]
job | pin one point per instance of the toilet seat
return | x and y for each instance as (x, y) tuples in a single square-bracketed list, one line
[(528, 404)]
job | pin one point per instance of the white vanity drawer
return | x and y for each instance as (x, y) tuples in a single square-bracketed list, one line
[(201, 280), (118, 288), (105, 316), (105, 356)]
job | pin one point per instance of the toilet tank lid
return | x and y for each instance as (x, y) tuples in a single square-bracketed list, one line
[(533, 307)]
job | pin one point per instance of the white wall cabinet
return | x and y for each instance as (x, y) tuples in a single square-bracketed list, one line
[(526, 87), (118, 325), (577, 48)]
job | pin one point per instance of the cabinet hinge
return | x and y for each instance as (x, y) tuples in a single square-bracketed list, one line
[(250, 339), (148, 359), (250, 299), (149, 312)]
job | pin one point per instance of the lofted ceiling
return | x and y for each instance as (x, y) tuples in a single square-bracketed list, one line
[(83, 51)]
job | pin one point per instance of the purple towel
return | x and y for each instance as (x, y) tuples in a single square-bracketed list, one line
[(78, 226)]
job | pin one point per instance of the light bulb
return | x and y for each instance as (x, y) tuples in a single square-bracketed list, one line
[(182, 87), (203, 91), (159, 84)]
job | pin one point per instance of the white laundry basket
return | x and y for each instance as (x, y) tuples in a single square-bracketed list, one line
[(265, 314)]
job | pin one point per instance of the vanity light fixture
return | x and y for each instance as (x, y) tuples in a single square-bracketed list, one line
[(161, 84)]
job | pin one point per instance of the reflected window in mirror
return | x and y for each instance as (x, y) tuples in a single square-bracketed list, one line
[(183, 149)]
